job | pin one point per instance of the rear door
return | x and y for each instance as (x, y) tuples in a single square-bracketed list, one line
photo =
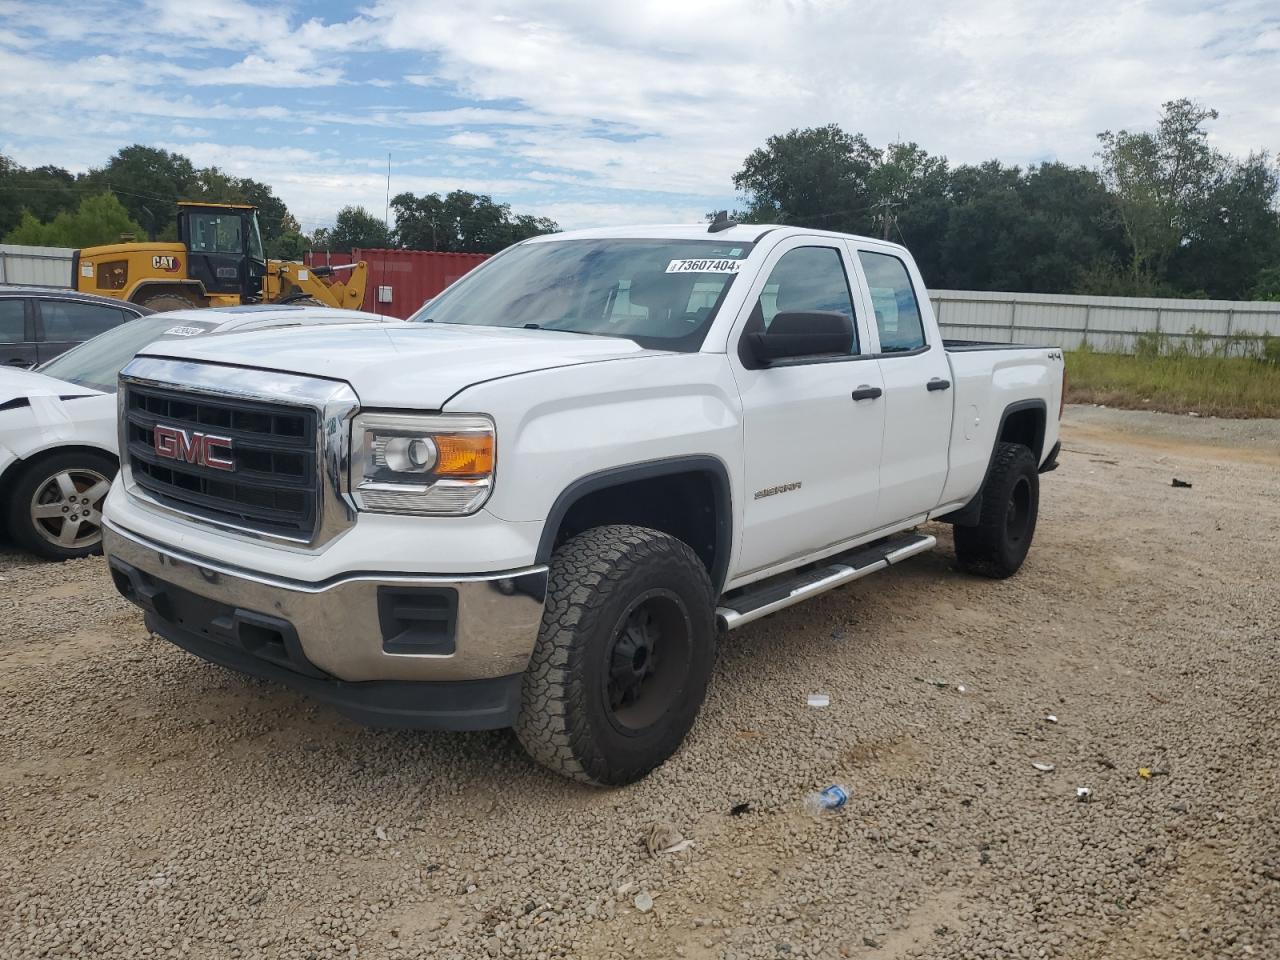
[(61, 324), (917, 387), (17, 333), (812, 451)]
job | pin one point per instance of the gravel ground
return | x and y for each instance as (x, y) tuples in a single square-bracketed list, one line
[(152, 805)]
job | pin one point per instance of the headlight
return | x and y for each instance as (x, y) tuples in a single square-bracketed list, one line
[(421, 464)]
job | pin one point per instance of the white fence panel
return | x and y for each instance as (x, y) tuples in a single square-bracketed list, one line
[(35, 266), (1108, 324)]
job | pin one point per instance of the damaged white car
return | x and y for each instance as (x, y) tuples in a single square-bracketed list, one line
[(58, 436)]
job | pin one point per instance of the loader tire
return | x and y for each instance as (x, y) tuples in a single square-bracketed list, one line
[(623, 658), (998, 544), (164, 302)]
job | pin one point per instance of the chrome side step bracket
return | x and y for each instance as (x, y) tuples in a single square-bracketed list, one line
[(778, 593)]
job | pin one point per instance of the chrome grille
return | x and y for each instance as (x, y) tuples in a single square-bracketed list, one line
[(274, 487)]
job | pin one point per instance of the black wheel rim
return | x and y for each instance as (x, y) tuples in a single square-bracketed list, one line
[(647, 661), (1018, 516)]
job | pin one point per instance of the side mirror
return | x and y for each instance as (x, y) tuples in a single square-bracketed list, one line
[(803, 333)]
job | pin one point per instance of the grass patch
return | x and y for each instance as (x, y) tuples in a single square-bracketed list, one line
[(1213, 386)]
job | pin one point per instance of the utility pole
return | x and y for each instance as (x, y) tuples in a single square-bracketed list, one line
[(884, 206)]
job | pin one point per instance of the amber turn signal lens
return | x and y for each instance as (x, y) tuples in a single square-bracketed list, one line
[(464, 454)]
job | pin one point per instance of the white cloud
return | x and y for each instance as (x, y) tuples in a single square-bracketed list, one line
[(708, 82), (581, 109), (471, 141)]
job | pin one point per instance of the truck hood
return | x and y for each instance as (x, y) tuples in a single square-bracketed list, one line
[(402, 364), (17, 384)]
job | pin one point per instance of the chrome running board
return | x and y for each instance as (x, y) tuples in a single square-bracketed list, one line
[(778, 594)]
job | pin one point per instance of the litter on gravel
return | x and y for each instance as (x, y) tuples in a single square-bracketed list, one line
[(1044, 767), (819, 700), (1185, 484), (664, 837)]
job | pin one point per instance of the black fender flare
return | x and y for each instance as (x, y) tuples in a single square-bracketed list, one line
[(967, 516), (629, 473)]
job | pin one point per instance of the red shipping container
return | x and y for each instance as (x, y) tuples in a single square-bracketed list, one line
[(400, 281)]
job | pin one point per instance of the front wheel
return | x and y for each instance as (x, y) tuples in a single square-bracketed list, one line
[(998, 545), (623, 658), (55, 504)]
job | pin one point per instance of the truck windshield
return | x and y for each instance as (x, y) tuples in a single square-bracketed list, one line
[(97, 363), (662, 294)]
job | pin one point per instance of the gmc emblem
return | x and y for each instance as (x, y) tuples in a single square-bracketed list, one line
[(202, 449)]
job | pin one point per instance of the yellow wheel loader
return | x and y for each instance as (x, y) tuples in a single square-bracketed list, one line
[(218, 262)]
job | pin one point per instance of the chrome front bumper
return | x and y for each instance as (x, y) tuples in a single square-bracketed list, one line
[(342, 629)]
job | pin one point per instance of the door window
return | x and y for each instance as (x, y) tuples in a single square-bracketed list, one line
[(894, 298), (69, 320), (806, 278), (13, 322)]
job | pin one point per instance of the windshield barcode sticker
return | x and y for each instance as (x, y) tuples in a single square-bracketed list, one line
[(184, 331), (704, 266)]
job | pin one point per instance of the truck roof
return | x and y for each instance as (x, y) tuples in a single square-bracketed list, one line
[(202, 203), (744, 232)]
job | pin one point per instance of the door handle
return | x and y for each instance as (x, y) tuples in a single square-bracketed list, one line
[(937, 383), (867, 393)]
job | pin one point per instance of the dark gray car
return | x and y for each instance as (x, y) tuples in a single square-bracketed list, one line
[(38, 323)]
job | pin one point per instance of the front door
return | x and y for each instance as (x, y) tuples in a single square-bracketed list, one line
[(812, 450), (917, 392), (215, 244)]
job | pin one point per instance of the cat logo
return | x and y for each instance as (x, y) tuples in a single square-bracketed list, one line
[(167, 264)]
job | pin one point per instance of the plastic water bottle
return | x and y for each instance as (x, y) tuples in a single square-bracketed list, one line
[(832, 798)]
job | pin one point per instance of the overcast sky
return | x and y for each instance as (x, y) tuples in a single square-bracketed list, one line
[(607, 112)]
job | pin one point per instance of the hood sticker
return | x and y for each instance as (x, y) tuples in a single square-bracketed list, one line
[(704, 266)]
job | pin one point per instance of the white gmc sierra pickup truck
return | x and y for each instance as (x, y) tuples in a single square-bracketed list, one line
[(539, 502)]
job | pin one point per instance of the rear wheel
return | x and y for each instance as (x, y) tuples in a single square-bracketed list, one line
[(164, 302), (998, 545), (55, 505), (623, 658)]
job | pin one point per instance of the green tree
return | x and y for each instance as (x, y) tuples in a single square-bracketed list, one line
[(1234, 235), (290, 245), (1267, 285), (912, 204), (817, 177), (274, 217), (44, 192), (462, 222), (1161, 181), (149, 182), (99, 219), (981, 249), (355, 227)]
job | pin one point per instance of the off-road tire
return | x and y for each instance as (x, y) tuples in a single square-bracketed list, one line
[(164, 302), (998, 545), (38, 474), (566, 722)]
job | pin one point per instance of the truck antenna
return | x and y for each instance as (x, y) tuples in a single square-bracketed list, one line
[(720, 222)]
